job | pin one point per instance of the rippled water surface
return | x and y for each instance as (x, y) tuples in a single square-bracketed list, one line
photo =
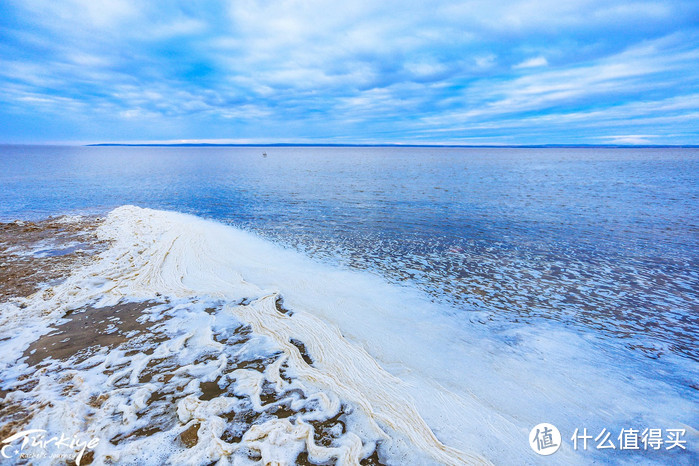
[(605, 241)]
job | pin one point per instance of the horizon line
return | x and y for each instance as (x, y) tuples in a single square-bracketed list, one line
[(435, 145), (329, 144)]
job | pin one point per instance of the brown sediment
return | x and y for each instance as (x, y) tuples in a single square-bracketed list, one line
[(16, 416), (302, 349), (89, 329), (88, 458), (32, 254), (142, 432), (189, 436), (325, 432), (62, 245), (279, 305), (372, 460)]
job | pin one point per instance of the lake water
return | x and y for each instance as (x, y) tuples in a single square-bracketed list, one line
[(606, 240), (515, 245)]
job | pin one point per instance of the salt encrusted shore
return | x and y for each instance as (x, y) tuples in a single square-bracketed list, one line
[(36, 253), (121, 333), (35, 256)]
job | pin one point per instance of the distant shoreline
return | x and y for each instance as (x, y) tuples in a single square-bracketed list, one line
[(476, 146)]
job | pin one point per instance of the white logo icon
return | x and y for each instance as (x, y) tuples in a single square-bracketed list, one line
[(545, 439)]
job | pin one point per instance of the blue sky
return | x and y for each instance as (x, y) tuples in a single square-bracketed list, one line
[(463, 72)]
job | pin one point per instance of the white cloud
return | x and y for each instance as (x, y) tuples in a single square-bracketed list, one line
[(173, 28), (77, 15), (485, 61), (640, 69), (634, 139), (532, 63), (425, 69)]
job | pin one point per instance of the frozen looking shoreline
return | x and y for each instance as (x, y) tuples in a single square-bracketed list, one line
[(204, 280)]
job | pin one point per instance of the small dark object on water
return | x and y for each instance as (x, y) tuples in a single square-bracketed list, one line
[(264, 154)]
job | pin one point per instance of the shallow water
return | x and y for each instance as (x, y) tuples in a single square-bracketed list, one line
[(603, 240), (563, 281)]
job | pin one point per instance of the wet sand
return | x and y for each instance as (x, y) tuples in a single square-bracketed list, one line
[(35, 253)]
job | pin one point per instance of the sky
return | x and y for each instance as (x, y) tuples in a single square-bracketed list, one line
[(352, 71)]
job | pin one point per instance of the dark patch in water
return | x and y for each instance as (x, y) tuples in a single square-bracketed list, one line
[(245, 302), (279, 304), (302, 349)]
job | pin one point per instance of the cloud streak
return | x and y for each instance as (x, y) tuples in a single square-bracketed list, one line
[(449, 71)]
